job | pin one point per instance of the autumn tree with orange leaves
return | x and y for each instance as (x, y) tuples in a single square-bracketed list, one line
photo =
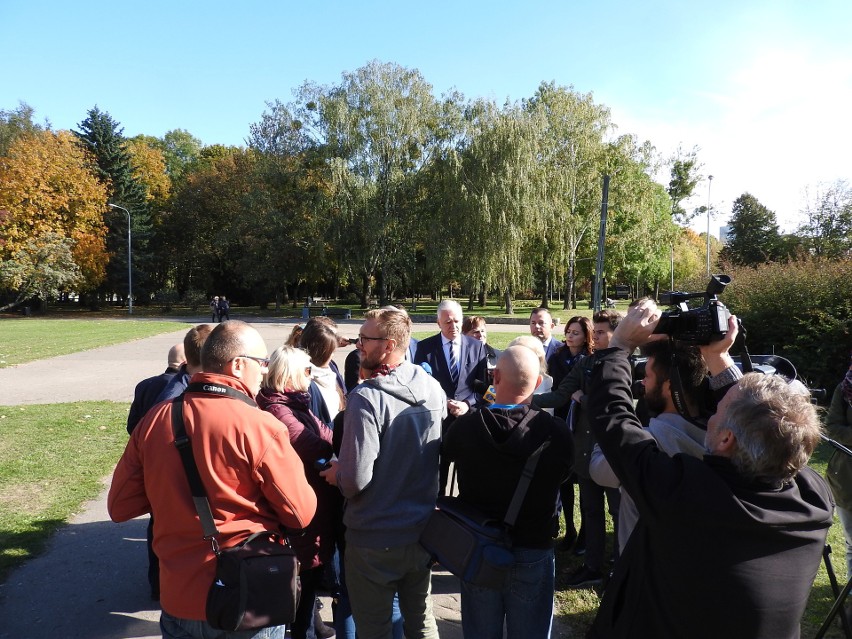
[(50, 192)]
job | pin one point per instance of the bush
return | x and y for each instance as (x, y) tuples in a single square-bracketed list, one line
[(799, 310)]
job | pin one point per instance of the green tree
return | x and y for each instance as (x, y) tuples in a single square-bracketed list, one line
[(43, 267), (685, 176), (379, 127), (15, 123), (828, 229), (754, 237), (102, 136), (572, 128)]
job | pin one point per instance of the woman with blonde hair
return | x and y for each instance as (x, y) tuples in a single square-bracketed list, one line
[(284, 394)]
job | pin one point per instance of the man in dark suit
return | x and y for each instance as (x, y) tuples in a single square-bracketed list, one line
[(457, 362), (541, 326), (148, 389)]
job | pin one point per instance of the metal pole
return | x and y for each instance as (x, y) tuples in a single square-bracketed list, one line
[(601, 245), (709, 184), (672, 249), (129, 260)]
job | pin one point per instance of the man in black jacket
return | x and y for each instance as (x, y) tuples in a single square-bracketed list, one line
[(727, 545), (490, 448)]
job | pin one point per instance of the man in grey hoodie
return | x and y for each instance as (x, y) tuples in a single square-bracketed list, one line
[(388, 473), (673, 432)]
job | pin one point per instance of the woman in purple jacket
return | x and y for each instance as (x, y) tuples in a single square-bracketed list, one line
[(284, 394)]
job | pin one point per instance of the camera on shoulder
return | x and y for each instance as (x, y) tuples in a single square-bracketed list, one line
[(701, 325)]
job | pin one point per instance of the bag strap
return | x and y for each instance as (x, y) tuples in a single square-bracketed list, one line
[(523, 485), (199, 496), (212, 388)]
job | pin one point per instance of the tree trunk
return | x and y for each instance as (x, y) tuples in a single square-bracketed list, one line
[(365, 290), (482, 294), (382, 285), (278, 300), (507, 298), (545, 299), (470, 300)]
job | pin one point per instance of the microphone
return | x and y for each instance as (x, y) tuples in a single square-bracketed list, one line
[(425, 366)]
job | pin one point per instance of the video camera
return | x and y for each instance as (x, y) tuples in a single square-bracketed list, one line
[(702, 325)]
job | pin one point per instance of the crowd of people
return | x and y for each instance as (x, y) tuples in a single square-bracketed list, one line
[(719, 526)]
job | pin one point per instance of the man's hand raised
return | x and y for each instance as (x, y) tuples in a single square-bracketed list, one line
[(637, 326), (715, 354)]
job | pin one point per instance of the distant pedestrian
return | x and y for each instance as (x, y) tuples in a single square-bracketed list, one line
[(224, 309), (214, 309)]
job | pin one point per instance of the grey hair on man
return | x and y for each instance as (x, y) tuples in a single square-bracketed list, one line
[(776, 427)]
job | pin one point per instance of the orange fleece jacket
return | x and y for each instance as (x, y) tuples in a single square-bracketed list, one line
[(252, 476)]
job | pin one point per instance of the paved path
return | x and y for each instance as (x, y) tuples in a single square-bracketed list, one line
[(90, 583)]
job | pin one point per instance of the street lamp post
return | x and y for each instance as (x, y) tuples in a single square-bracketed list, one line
[(709, 184), (129, 261)]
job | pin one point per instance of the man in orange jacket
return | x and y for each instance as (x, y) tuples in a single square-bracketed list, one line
[(252, 476)]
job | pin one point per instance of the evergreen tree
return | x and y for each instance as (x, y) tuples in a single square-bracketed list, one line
[(102, 136), (754, 237)]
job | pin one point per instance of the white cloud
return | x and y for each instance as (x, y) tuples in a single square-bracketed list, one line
[(774, 127)]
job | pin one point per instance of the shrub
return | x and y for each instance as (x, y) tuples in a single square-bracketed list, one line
[(799, 310)]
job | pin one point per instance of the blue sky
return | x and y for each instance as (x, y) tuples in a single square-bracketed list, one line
[(764, 88)]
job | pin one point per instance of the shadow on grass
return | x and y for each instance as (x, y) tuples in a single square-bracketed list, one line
[(18, 547)]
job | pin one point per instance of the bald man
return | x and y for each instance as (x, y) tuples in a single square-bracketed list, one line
[(254, 479), (490, 448)]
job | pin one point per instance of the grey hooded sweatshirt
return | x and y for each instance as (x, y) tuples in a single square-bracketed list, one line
[(674, 435), (388, 462)]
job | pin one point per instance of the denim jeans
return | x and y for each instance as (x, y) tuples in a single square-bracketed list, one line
[(525, 604), (177, 628), (375, 575), (845, 517)]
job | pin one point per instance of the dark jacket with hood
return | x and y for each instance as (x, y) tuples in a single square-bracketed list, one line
[(714, 554), (490, 448)]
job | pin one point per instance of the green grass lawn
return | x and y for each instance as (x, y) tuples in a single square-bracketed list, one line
[(26, 340), (53, 458)]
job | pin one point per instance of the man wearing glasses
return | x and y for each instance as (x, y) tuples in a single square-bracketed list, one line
[(388, 472), (253, 477)]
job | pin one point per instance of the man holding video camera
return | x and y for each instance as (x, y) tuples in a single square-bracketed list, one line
[(727, 545)]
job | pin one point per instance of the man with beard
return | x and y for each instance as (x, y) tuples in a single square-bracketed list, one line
[(673, 432), (387, 470)]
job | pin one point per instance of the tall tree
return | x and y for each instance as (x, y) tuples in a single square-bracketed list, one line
[(48, 188), (828, 229), (754, 237), (43, 267), (572, 130), (15, 123), (685, 176), (495, 206), (379, 127), (102, 136)]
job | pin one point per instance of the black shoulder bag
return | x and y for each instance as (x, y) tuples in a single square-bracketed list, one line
[(472, 546), (257, 582)]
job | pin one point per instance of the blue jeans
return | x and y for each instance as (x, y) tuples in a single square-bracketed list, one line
[(525, 604), (177, 628)]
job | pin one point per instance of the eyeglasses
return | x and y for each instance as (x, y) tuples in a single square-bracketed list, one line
[(363, 338), (263, 361)]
